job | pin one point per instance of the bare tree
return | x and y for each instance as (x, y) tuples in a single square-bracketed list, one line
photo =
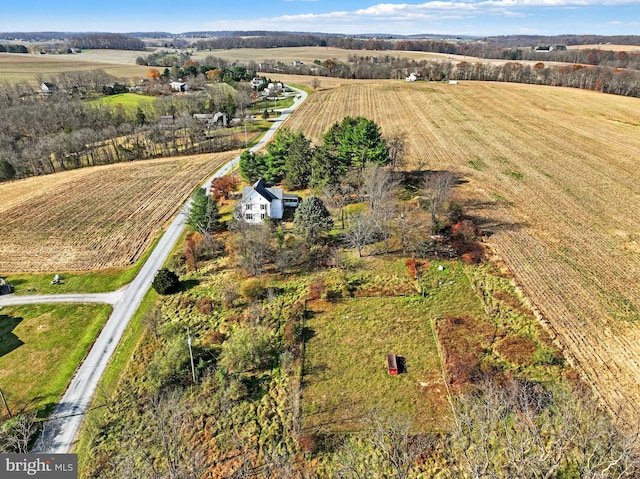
[(408, 228), (521, 430), (338, 196), (378, 185), (397, 145), (438, 188), (252, 245), (398, 448), (361, 231), (17, 432)]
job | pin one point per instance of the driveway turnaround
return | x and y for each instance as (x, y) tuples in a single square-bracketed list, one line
[(61, 429)]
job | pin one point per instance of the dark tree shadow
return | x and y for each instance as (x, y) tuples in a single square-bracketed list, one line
[(8, 340), (308, 333), (188, 284), (402, 364)]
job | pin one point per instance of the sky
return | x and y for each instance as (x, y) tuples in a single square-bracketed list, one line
[(447, 17)]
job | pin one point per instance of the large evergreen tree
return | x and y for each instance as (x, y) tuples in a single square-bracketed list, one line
[(204, 215), (312, 219), (298, 162), (253, 166), (357, 141), (278, 150)]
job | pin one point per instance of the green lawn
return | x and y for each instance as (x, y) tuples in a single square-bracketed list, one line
[(345, 377), (40, 348), (129, 101)]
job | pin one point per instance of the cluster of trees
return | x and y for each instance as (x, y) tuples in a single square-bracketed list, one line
[(41, 135), (510, 41), (352, 143), (261, 41), (165, 58), (213, 68), (13, 48), (114, 41)]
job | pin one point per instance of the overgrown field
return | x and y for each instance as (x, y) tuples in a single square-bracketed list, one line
[(345, 378), (95, 218), (40, 348), (551, 176)]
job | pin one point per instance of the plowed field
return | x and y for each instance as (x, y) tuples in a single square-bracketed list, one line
[(552, 176), (97, 217)]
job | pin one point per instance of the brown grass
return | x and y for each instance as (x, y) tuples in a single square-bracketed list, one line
[(95, 218), (17, 67), (552, 177)]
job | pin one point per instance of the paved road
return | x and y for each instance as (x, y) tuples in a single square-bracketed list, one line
[(106, 298), (62, 427)]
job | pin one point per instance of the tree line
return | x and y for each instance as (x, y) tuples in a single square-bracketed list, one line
[(515, 47), (617, 81), (114, 41)]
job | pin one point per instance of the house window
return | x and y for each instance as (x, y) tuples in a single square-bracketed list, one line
[(262, 216), (263, 207), (249, 206), (248, 216)]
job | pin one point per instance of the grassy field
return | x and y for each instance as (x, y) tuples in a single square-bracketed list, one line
[(129, 101), (344, 376), (40, 348), (551, 176), (95, 218), (344, 370)]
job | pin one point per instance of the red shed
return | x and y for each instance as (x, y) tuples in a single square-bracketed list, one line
[(392, 364)]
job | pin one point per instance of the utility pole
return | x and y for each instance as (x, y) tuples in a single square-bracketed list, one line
[(193, 370), (5, 403)]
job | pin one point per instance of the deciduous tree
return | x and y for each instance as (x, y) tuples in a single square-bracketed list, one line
[(437, 188)]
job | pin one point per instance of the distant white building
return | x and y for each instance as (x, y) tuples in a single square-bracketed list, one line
[(274, 89), (179, 86), (260, 202), (412, 77), (256, 82), (47, 88)]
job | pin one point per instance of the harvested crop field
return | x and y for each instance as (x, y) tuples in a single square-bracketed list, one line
[(551, 174), (17, 67), (94, 218)]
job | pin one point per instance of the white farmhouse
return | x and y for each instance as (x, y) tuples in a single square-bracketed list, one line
[(260, 202)]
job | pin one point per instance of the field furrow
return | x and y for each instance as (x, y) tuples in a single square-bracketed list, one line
[(100, 217)]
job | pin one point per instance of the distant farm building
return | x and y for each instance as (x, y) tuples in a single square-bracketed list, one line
[(212, 119), (47, 88), (179, 86), (412, 77)]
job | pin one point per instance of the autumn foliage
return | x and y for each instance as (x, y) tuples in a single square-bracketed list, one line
[(222, 187)]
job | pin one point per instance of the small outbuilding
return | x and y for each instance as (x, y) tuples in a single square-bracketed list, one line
[(392, 364)]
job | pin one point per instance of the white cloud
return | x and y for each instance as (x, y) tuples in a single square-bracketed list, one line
[(432, 16)]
